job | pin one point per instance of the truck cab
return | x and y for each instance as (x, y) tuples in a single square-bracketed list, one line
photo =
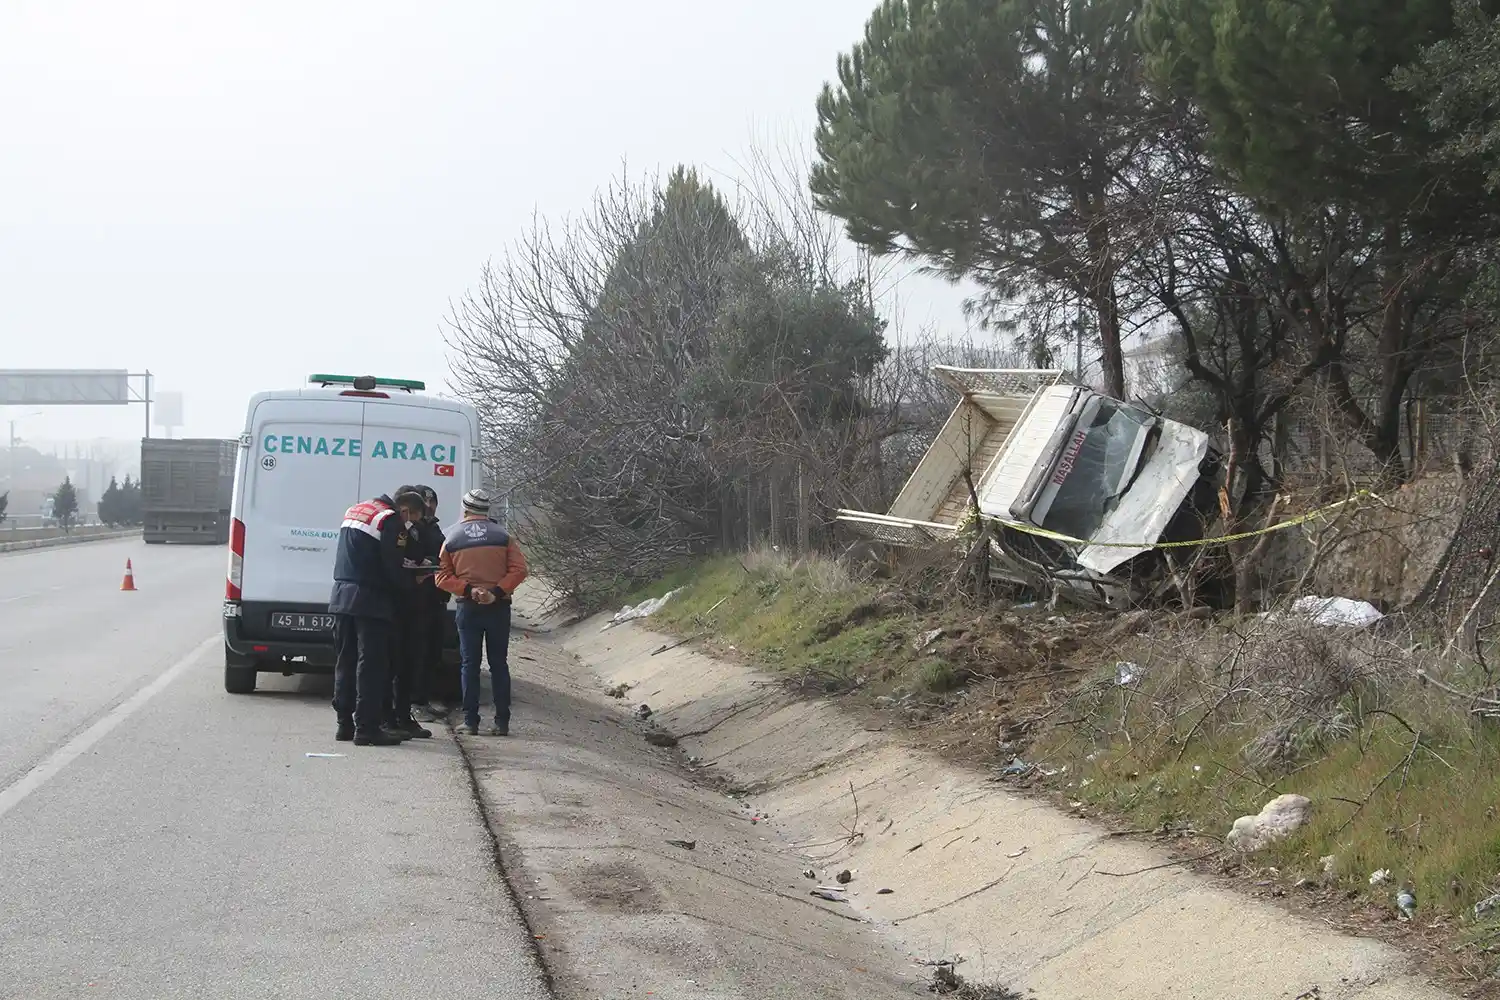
[(305, 457)]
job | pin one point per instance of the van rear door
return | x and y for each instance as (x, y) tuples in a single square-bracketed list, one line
[(304, 472), (414, 445)]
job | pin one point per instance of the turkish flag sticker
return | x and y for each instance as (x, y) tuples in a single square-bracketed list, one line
[(442, 470)]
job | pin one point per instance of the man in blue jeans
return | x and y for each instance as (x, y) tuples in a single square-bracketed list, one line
[(482, 565)]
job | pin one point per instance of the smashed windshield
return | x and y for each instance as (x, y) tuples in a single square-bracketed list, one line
[(1096, 466)]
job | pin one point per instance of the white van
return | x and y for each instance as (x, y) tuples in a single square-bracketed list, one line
[(305, 457)]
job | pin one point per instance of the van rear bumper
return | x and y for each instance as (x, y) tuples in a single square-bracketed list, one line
[(250, 637)]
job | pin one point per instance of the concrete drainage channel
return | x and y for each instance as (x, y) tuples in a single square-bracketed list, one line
[(502, 868), (639, 873), (638, 876)]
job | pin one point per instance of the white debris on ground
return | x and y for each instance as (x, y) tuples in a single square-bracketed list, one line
[(926, 639), (1277, 819), (645, 609), (1127, 673), (1331, 612)]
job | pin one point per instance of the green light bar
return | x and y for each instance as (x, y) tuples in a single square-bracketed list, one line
[(389, 383)]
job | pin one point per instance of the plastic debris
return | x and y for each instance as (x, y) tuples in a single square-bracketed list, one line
[(1127, 673), (325, 755), (1406, 903), (832, 895), (1332, 612), (1486, 904), (686, 845), (644, 712), (1330, 863), (809, 873), (844, 877), (1380, 876), (645, 609), (1016, 767), (1278, 818)]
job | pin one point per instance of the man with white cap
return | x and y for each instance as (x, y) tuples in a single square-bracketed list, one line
[(482, 564)]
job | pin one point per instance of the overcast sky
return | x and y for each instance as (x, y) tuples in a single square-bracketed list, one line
[(237, 194)]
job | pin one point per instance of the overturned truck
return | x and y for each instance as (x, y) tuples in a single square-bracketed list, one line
[(1078, 489)]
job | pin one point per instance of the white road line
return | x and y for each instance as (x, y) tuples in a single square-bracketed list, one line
[(27, 597), (15, 793)]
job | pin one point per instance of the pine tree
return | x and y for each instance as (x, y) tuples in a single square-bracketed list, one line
[(130, 502), (1307, 115), (109, 504), (65, 504), (992, 139)]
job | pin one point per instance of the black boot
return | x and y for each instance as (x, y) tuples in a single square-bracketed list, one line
[(415, 729), (345, 731), (376, 738)]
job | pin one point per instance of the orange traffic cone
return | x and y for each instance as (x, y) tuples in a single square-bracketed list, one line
[(129, 582)]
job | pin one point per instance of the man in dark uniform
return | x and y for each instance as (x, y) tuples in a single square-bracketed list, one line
[(432, 612), (407, 629), (367, 575)]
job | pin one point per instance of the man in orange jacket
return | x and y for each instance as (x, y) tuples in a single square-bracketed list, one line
[(482, 565)]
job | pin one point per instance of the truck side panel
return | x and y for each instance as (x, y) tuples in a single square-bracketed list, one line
[(186, 489)]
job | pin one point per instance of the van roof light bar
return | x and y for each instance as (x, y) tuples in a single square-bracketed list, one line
[(367, 382)]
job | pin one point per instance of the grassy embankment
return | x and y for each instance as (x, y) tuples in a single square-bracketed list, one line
[(1221, 716)]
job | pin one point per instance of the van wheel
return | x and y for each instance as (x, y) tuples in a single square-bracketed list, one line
[(239, 680)]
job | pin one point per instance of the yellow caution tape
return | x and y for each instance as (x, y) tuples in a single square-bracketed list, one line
[(1027, 529)]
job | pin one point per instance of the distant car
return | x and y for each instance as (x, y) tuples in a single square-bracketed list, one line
[(306, 456)]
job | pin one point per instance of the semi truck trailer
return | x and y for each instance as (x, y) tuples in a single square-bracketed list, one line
[(186, 489)]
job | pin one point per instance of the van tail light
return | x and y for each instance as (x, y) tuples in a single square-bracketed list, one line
[(232, 590), (366, 394)]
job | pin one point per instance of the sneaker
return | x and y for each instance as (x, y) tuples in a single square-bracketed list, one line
[(378, 738), (499, 729), (472, 728), (345, 732)]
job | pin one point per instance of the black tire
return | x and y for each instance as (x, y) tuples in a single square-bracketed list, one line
[(239, 680)]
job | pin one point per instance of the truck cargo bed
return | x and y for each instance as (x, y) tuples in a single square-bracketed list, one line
[(186, 486)]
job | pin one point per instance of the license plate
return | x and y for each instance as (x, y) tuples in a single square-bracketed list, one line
[(294, 622)]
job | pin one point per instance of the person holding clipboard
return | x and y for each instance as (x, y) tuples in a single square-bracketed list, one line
[(406, 633)]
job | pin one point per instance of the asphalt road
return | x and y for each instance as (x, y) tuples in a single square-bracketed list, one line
[(160, 838)]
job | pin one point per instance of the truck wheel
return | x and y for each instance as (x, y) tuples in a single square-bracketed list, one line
[(239, 680)]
